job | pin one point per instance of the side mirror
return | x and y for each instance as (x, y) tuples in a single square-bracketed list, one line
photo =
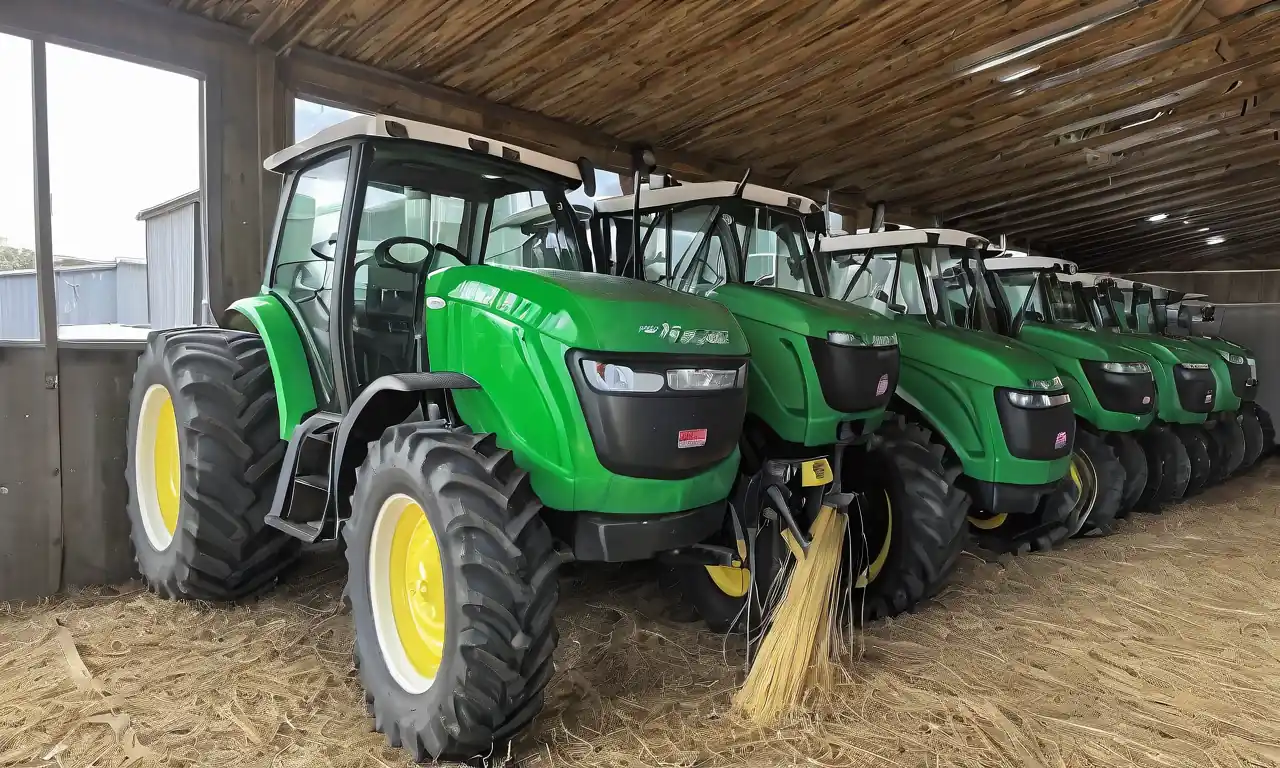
[(1207, 312), (587, 170)]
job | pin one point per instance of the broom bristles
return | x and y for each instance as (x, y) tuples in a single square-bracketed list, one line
[(796, 650)]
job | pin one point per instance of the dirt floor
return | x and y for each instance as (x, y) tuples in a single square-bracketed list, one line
[(1159, 646)]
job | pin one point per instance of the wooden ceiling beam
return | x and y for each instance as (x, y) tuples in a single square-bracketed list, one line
[(1139, 259), (1219, 221), (1183, 235)]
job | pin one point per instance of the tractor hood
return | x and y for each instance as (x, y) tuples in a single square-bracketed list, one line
[(974, 355), (1162, 349), (801, 313), (590, 311), (1080, 342)]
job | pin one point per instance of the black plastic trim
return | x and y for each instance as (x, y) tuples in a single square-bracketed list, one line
[(1005, 498), (1195, 388), (638, 435), (1120, 392), (1035, 433), (855, 379), (617, 538), (1242, 385)]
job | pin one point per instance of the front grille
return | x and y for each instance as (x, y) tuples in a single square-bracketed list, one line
[(1195, 388), (1121, 392), (1037, 434), (666, 435), (855, 379)]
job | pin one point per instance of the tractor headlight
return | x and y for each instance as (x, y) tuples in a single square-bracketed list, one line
[(1126, 368), (1232, 357), (847, 339), (1037, 399), (705, 379), (608, 377)]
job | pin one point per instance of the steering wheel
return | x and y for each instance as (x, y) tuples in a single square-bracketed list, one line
[(382, 253)]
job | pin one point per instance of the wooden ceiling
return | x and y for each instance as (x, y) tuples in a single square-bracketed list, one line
[(1065, 122)]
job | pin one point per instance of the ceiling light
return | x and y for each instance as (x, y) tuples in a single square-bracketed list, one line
[(1216, 240), (1186, 221), (490, 176), (1029, 49), (1009, 77), (1203, 229), (1158, 217)]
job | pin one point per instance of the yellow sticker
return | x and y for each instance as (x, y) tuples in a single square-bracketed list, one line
[(815, 472)]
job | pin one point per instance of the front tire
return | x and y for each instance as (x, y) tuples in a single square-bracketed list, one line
[(1253, 437), (1228, 447), (1169, 468), (1198, 446), (1134, 461), (1044, 530), (204, 455), (908, 531), (452, 583), (1103, 487), (1268, 430)]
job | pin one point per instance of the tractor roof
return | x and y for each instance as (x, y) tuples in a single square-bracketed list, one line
[(707, 190), (890, 238), (383, 126), (1013, 263)]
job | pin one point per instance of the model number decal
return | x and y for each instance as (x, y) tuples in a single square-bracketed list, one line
[(691, 438), (677, 335)]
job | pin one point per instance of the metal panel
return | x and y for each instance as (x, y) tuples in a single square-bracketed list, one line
[(29, 515), (131, 293), (19, 305), (95, 413), (1239, 286), (86, 295), (171, 260)]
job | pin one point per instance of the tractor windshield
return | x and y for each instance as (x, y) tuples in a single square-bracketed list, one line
[(1042, 297), (917, 279), (460, 207), (776, 248)]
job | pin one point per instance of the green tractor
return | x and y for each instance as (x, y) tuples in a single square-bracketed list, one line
[(995, 412), (1112, 386), (436, 383), (1200, 422), (1183, 316), (822, 373)]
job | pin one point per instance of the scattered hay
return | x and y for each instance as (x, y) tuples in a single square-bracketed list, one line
[(1159, 646)]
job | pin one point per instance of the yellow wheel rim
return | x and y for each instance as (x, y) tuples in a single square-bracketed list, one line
[(989, 523), (1075, 474), (732, 580), (168, 466), (417, 590), (873, 570), (157, 460), (407, 592)]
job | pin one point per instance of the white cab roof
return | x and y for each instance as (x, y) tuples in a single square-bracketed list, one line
[(898, 237), (376, 126), (706, 190), (1011, 263)]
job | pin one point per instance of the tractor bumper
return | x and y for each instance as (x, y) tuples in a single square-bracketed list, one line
[(1006, 498), (618, 538)]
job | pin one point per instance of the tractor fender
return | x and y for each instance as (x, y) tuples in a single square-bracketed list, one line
[(295, 390), (386, 401), (945, 412)]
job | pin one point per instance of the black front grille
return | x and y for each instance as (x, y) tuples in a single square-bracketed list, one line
[(1195, 388), (641, 435), (1121, 392), (855, 379), (1242, 384), (1038, 434)]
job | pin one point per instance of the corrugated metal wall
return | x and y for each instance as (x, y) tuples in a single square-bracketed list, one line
[(172, 255), (1241, 286), (132, 303), (86, 296)]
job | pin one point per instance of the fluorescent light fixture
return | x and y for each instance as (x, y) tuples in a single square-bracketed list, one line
[(1186, 221), (1027, 50), (1203, 229), (1216, 240), (1158, 217), (1009, 77), (490, 176)]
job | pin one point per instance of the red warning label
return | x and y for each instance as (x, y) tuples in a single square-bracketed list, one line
[(691, 438)]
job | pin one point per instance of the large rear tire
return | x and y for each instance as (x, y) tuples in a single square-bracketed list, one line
[(1102, 474), (909, 529), (1169, 468), (1253, 437), (1227, 447), (452, 583), (1198, 446), (1134, 461), (204, 455)]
